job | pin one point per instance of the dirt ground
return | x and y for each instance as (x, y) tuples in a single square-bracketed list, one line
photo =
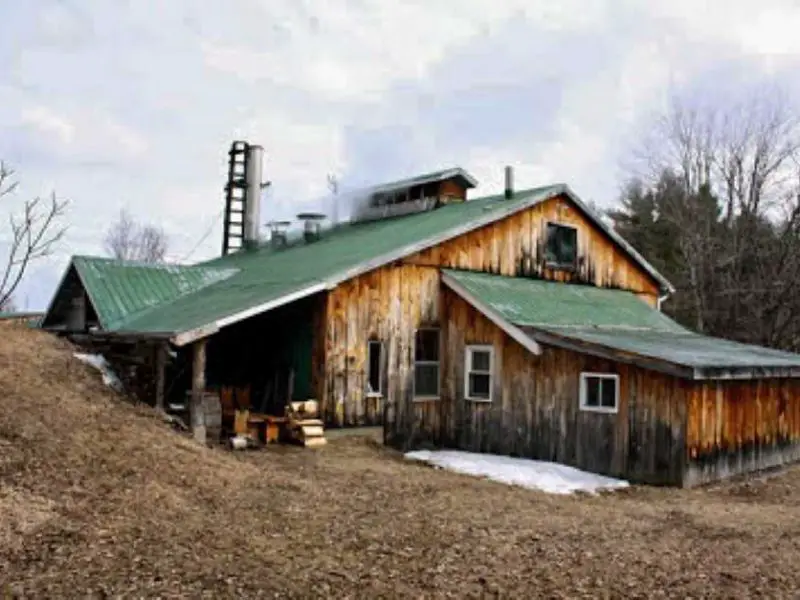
[(100, 499)]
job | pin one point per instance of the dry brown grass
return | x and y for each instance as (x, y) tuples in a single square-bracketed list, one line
[(98, 498)]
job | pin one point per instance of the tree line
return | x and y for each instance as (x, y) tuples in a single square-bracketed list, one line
[(713, 202)]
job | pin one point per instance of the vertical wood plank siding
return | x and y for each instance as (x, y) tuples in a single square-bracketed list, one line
[(738, 426), (535, 411), (515, 247), (391, 302), (387, 304)]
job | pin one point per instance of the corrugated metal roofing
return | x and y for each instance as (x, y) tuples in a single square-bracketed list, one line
[(267, 275), (121, 290), (147, 299), (614, 319), (532, 302)]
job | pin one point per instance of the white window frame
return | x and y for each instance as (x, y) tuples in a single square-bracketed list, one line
[(438, 364), (468, 369), (379, 392), (584, 389)]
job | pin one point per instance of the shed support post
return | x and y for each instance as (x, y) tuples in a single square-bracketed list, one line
[(161, 364), (197, 417)]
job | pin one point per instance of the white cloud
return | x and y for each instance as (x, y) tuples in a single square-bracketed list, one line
[(135, 104), (49, 123)]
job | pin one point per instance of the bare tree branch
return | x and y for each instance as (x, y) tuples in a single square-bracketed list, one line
[(33, 234), (127, 240)]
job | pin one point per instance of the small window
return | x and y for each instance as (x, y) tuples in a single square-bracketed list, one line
[(479, 366), (374, 371), (426, 363), (599, 392), (561, 250)]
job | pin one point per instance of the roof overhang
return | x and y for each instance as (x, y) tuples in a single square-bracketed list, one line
[(192, 335), (509, 328), (455, 173), (690, 372)]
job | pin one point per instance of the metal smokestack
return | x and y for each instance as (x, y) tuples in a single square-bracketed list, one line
[(252, 204), (509, 193)]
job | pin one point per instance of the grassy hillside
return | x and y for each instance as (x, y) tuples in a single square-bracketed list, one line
[(99, 498)]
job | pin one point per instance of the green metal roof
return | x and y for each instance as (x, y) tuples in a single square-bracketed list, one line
[(536, 303), (268, 275), (173, 299), (612, 319), (120, 290)]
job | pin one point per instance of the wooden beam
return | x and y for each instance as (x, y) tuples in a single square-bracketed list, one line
[(161, 364), (197, 418)]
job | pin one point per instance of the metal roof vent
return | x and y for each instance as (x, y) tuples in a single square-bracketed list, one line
[(277, 233), (312, 225)]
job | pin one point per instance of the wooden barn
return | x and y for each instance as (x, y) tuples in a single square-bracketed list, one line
[(517, 324)]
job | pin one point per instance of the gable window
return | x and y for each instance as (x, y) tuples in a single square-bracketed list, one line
[(599, 392), (479, 367), (374, 371), (561, 249), (426, 363)]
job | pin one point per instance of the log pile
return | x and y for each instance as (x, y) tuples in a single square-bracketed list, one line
[(303, 423)]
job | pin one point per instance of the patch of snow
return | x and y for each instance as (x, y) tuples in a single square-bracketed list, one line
[(99, 362), (549, 477)]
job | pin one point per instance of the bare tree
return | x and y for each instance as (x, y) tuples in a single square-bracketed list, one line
[(737, 217), (34, 233), (128, 240)]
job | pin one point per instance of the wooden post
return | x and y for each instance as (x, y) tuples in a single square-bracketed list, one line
[(198, 388), (161, 363)]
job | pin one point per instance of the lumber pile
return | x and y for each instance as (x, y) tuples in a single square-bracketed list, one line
[(303, 423)]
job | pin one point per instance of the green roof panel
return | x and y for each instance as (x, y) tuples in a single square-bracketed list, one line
[(122, 290), (267, 275), (538, 303), (611, 318)]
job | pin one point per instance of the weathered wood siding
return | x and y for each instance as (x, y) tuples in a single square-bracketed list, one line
[(535, 410), (515, 246), (387, 304), (735, 427), (390, 303), (450, 191)]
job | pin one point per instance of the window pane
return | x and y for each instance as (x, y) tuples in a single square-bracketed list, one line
[(479, 385), (481, 360), (562, 244), (608, 390), (592, 391), (374, 367), (426, 346), (426, 380)]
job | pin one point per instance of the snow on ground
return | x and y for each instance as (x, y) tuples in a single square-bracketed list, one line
[(548, 477), (101, 364)]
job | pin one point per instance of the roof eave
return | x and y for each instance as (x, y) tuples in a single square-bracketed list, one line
[(509, 328), (609, 353), (666, 285), (709, 373)]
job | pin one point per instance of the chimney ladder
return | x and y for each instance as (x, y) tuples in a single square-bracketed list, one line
[(235, 198)]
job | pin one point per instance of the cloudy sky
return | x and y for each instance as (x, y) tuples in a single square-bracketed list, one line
[(134, 103)]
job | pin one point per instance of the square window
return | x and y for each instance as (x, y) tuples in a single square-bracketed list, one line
[(561, 249), (599, 392)]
